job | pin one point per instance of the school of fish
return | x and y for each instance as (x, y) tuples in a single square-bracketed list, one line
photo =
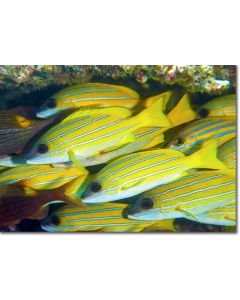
[(158, 159)]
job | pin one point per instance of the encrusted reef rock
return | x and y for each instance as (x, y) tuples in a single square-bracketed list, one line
[(194, 78)]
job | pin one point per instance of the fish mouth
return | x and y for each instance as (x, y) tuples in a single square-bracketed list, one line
[(44, 113), (32, 161), (41, 115)]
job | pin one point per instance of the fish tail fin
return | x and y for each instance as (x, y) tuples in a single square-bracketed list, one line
[(164, 97), (182, 112), (207, 157), (154, 116)]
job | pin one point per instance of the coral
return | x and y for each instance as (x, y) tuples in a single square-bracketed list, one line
[(194, 78)]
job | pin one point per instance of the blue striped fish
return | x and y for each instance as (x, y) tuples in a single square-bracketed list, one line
[(39, 177), (146, 137), (88, 94), (189, 196), (81, 135), (221, 106), (135, 173), (191, 137), (223, 216), (109, 217), (227, 153)]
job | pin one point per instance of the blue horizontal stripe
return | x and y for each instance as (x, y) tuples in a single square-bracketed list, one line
[(92, 131), (213, 129), (201, 124), (86, 91), (183, 186), (102, 98), (89, 212), (130, 165), (150, 166)]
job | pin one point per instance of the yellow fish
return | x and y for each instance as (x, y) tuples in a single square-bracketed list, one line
[(218, 107), (43, 177), (135, 173), (192, 136), (88, 94), (109, 217), (227, 153), (224, 216), (81, 135), (187, 197), (146, 137)]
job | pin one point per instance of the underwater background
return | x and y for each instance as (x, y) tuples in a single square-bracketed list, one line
[(31, 85)]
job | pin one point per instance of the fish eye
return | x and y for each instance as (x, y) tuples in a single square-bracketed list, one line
[(42, 148), (55, 220), (51, 103), (95, 187), (179, 141), (203, 112), (147, 203)]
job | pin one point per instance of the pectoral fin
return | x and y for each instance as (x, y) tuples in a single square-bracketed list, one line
[(130, 185), (178, 208), (73, 158)]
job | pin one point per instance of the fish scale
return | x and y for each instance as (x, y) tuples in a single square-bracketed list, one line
[(221, 129), (227, 153), (107, 217), (221, 106), (147, 137), (90, 94), (136, 173), (188, 196), (102, 130), (223, 216), (39, 177)]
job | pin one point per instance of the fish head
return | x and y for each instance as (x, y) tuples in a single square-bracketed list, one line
[(49, 108), (97, 192), (185, 143), (111, 188), (46, 152), (144, 208), (149, 206)]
